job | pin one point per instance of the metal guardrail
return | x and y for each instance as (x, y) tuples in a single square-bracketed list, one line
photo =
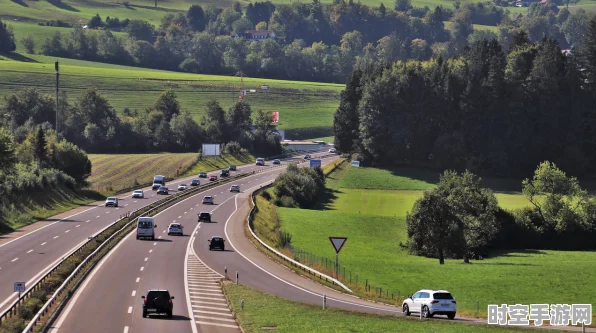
[(13, 309), (249, 220)]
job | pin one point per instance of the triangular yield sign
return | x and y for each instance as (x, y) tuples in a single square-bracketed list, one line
[(338, 242)]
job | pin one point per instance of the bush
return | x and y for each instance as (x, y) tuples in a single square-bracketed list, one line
[(28, 309), (12, 325), (233, 148), (66, 268), (284, 239)]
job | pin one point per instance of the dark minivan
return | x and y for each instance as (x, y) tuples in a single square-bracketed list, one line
[(158, 302)]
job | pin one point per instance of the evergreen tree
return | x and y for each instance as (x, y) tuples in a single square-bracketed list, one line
[(346, 118), (7, 43), (40, 149)]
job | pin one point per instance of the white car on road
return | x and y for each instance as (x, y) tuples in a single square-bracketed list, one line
[(182, 187), (138, 194), (175, 229), (429, 303), (111, 201)]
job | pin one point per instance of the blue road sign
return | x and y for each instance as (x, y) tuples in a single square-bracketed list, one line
[(315, 163)]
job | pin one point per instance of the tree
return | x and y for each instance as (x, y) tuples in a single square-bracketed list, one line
[(261, 26), (7, 43), (29, 44), (346, 118), (40, 151), (214, 122), (239, 118), (241, 25), (433, 229), (403, 5), (95, 22), (7, 152), (73, 161), (140, 30), (587, 54), (167, 104), (196, 18)]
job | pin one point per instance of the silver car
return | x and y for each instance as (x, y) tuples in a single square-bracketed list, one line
[(138, 194), (208, 200)]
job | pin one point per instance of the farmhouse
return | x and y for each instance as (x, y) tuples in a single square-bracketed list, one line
[(254, 35)]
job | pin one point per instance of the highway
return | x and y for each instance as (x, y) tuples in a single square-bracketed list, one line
[(27, 257)]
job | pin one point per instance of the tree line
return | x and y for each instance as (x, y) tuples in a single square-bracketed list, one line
[(461, 219), (488, 111), (92, 124)]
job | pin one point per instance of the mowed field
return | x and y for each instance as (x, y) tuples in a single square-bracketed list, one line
[(114, 172), (306, 108), (374, 221), (261, 313)]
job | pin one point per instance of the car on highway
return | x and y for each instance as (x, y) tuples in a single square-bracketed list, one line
[(212, 178), (162, 190), (158, 301), (224, 173), (332, 150), (429, 302), (111, 201), (276, 161), (146, 227), (175, 229), (182, 187), (208, 200), (235, 188), (307, 157), (138, 194), (202, 174), (232, 167), (195, 182), (204, 216), (217, 242), (260, 161)]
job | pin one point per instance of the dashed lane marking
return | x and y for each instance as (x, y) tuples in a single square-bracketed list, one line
[(130, 309), (44, 243), (29, 251), (138, 279), (15, 259), (134, 292)]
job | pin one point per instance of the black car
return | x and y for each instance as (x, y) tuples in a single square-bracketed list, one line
[(158, 301), (224, 173), (216, 243), (202, 174), (276, 161), (232, 168), (195, 182), (162, 190), (204, 216)]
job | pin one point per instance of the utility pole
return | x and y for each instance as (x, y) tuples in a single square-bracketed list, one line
[(56, 65)]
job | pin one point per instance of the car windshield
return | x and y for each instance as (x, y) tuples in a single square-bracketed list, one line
[(145, 225), (155, 294), (174, 225), (216, 239), (207, 198), (138, 191), (204, 214), (182, 184), (111, 199), (442, 296)]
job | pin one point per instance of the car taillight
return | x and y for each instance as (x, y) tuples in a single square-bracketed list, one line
[(434, 302), (145, 300), (170, 301)]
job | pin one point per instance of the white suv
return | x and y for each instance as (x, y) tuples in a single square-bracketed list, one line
[(430, 303)]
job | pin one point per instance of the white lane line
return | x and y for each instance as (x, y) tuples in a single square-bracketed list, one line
[(180, 217), (67, 231), (216, 313), (215, 318), (87, 221), (78, 226), (44, 243), (185, 212), (130, 309), (29, 251), (155, 243), (134, 293), (15, 259), (191, 208), (142, 268), (159, 237), (210, 308), (215, 324), (146, 259), (206, 288), (125, 205), (108, 212), (163, 232), (56, 237), (150, 250), (125, 329), (211, 299), (138, 279), (220, 294), (135, 201), (97, 217)]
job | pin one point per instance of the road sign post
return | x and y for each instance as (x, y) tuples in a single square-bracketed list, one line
[(338, 243), (19, 287)]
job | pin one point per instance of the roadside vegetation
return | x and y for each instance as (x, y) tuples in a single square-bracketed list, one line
[(261, 312)]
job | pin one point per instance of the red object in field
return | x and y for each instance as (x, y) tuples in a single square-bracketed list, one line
[(274, 117)]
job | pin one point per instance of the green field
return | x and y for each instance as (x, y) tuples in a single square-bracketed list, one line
[(374, 222), (261, 314), (306, 108), (115, 172)]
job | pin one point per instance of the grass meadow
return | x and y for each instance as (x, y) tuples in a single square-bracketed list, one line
[(306, 108), (261, 313), (115, 172), (369, 207)]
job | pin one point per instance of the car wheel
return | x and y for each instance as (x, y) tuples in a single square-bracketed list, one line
[(451, 316), (425, 312), (170, 314), (223, 248), (406, 310), (144, 313), (152, 237)]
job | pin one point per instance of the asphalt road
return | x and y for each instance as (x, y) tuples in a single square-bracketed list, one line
[(29, 256)]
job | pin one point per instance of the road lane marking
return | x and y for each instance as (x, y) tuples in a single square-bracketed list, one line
[(125, 205), (142, 268), (108, 212), (130, 309), (44, 243), (15, 259), (210, 308), (29, 251), (180, 217), (211, 299), (155, 243), (125, 329), (146, 259), (134, 293), (138, 279), (216, 313), (185, 212), (215, 324), (150, 250), (67, 231), (163, 232), (159, 237), (135, 201), (56, 237), (78, 226), (216, 318), (97, 217)]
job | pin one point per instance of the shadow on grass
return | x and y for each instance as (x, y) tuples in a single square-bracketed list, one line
[(20, 2), (516, 253), (18, 57), (507, 264), (62, 5), (327, 199)]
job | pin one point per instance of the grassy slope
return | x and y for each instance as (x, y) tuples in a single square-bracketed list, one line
[(262, 310), (114, 172), (374, 222), (306, 108)]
